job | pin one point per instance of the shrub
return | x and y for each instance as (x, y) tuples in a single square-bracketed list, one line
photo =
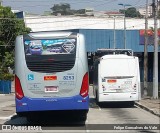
[(6, 76)]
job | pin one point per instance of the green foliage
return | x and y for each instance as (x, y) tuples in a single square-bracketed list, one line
[(80, 11), (8, 59), (10, 27), (4, 73), (131, 12), (62, 8), (65, 9), (6, 76)]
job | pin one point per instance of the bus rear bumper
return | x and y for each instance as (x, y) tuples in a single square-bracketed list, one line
[(115, 97), (50, 104)]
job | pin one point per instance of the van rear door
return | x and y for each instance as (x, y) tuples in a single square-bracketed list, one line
[(118, 75)]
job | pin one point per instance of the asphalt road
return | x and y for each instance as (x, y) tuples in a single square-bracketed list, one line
[(101, 118)]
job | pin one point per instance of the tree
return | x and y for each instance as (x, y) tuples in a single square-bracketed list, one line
[(65, 9), (10, 27), (131, 12), (62, 8), (80, 11)]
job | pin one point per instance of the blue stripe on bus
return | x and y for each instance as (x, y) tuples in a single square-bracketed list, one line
[(44, 104)]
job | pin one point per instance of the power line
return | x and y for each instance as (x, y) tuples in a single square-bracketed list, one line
[(102, 4)]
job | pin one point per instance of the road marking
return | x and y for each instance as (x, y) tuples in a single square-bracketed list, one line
[(7, 117), (87, 131)]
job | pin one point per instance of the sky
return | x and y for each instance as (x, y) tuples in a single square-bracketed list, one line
[(39, 6)]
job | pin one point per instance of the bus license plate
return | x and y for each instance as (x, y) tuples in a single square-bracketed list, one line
[(51, 89)]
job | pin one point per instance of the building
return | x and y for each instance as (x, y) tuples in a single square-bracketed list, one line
[(142, 11), (19, 14), (107, 14), (99, 33), (45, 23), (89, 11)]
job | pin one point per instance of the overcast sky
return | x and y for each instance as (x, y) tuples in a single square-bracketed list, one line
[(39, 6)]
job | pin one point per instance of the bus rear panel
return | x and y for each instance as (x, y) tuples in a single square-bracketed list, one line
[(51, 72)]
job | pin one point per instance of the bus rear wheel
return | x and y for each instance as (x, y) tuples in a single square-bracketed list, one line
[(81, 116)]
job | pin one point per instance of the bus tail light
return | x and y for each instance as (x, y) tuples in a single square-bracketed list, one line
[(85, 86), (18, 88)]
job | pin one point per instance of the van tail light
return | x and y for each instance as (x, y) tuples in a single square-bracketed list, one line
[(85, 86), (112, 81), (18, 88)]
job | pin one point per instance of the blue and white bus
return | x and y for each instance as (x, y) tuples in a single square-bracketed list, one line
[(51, 73)]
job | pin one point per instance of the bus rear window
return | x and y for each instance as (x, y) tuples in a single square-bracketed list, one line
[(50, 47), (48, 56)]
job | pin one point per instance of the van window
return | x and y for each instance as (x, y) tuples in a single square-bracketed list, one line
[(118, 67)]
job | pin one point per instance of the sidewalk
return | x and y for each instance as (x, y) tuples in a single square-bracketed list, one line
[(149, 104), (8, 99), (13, 87)]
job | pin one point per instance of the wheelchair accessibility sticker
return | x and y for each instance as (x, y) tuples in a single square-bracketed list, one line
[(30, 77)]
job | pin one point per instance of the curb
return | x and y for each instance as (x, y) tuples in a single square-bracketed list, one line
[(7, 94), (147, 109)]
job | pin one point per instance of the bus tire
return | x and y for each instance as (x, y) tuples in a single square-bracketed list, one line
[(83, 117), (20, 114), (32, 120), (80, 116)]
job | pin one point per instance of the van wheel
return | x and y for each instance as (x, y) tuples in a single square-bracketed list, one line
[(131, 104), (97, 98)]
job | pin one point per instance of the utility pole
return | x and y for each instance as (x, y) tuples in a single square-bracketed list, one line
[(124, 8), (155, 65), (124, 27), (145, 79), (114, 34)]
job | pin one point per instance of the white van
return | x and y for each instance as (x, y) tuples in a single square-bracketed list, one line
[(117, 78)]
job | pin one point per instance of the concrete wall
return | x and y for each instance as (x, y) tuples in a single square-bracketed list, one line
[(150, 88), (45, 23)]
